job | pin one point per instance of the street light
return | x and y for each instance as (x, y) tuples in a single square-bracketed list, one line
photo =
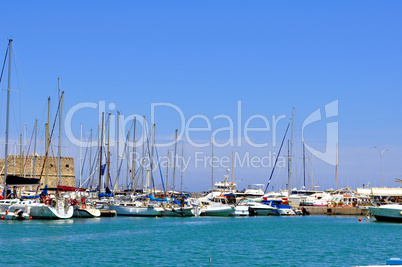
[(381, 152)]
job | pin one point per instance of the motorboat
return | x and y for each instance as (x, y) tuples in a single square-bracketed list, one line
[(16, 212), (281, 208), (242, 210), (6, 203), (253, 190), (216, 207), (390, 212), (320, 199), (175, 210), (226, 186), (256, 208)]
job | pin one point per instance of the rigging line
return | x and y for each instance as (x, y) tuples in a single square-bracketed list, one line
[(85, 156), (96, 158), (121, 162), (160, 171), (124, 150), (4, 63), (29, 148), (140, 169), (49, 143), (276, 160), (54, 158), (1, 77), (150, 160), (84, 160), (18, 72)]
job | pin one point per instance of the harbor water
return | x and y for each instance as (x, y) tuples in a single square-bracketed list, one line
[(201, 241)]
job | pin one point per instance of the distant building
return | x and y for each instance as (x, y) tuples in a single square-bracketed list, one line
[(23, 166)]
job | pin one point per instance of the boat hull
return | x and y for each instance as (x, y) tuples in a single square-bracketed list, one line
[(390, 213), (257, 211), (216, 211), (242, 211), (45, 212), (86, 213), (179, 212), (135, 211)]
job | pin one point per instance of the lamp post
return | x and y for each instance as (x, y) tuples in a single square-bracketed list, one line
[(381, 152)]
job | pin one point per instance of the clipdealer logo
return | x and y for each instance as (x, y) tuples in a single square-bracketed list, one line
[(329, 155)]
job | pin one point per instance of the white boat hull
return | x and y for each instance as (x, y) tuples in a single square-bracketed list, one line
[(217, 211), (392, 212), (285, 212), (15, 212), (241, 211), (43, 211), (263, 211), (86, 213), (135, 211)]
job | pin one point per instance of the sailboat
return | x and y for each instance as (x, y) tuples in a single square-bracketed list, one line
[(140, 205), (11, 180), (53, 207)]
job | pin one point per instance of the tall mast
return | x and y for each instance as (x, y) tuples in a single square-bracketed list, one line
[(152, 154), (99, 144), (290, 155), (311, 170), (174, 161), (108, 152), (134, 156), (21, 157), (90, 155), (117, 154), (34, 154), (80, 159), (181, 166), (10, 42), (304, 166), (167, 174), (100, 158), (127, 152), (59, 137), (212, 168), (288, 158), (25, 145), (232, 169), (47, 139), (143, 152), (336, 167)]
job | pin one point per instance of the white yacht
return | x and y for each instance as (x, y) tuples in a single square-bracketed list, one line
[(256, 208), (136, 208), (390, 212), (216, 207), (52, 209), (226, 186), (252, 191), (242, 210)]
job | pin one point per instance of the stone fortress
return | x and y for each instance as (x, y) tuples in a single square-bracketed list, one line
[(23, 166)]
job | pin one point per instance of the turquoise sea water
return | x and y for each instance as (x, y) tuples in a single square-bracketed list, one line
[(201, 241)]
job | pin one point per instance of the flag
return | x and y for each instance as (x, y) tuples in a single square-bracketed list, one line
[(103, 167)]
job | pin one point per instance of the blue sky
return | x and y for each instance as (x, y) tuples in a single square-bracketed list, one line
[(205, 57)]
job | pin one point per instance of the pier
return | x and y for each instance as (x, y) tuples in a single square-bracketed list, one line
[(325, 210)]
